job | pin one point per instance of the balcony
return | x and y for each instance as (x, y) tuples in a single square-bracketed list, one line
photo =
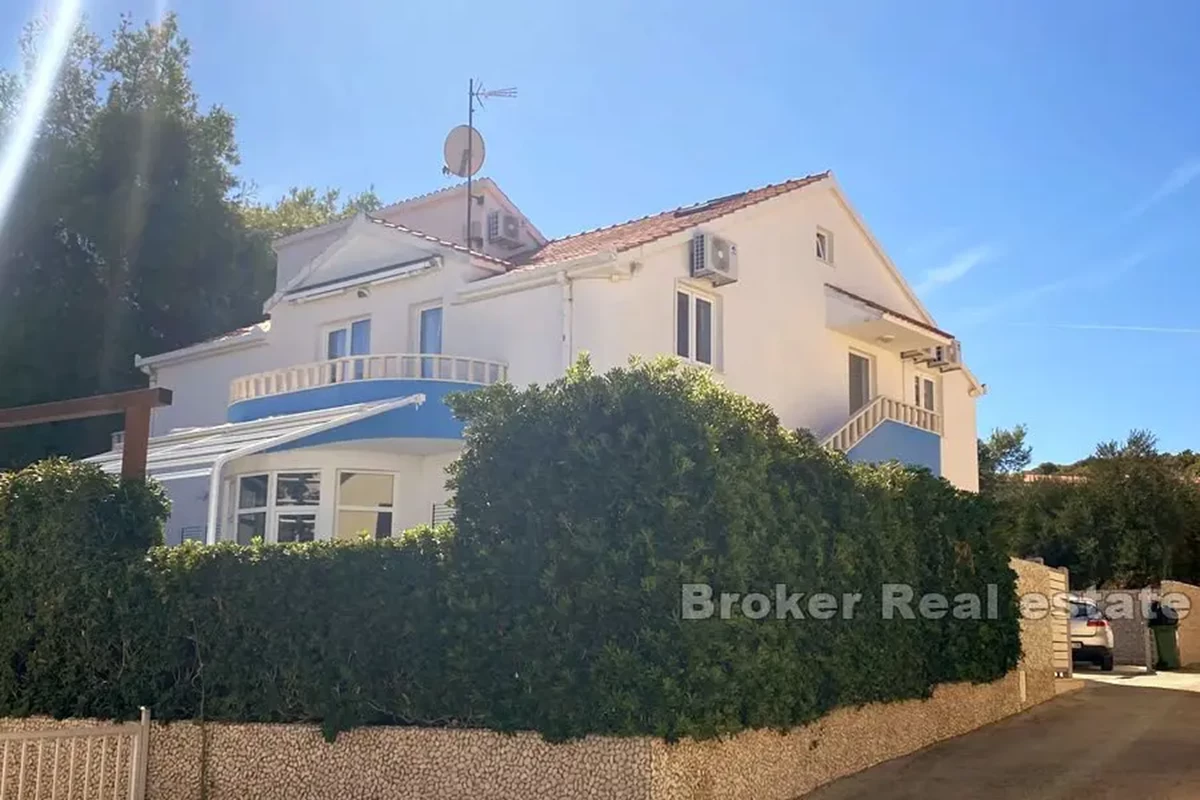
[(363, 379)]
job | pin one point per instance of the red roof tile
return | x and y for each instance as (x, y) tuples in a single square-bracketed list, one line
[(442, 242), (634, 233)]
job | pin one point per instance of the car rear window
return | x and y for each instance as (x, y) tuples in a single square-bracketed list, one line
[(1085, 611)]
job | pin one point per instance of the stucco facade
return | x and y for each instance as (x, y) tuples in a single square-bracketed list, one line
[(788, 331)]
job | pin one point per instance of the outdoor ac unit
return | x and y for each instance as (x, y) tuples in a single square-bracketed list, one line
[(507, 233), (952, 353), (948, 354), (714, 258)]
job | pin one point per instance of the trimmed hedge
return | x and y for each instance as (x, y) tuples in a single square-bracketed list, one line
[(582, 507)]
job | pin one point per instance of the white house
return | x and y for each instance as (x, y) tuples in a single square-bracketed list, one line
[(327, 419)]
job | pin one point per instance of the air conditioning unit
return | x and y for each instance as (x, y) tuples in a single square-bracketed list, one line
[(952, 353), (504, 229), (714, 258), (948, 355)]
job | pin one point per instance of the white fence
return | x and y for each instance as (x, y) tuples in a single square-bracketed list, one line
[(76, 763)]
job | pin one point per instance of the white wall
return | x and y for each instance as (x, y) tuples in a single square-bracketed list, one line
[(293, 256), (960, 452), (776, 346), (201, 386), (523, 329), (445, 216)]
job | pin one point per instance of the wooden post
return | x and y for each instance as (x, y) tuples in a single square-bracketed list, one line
[(136, 405), (137, 442)]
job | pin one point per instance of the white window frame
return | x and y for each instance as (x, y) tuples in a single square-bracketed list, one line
[(926, 385), (341, 325), (338, 506), (273, 509), (715, 333), (823, 234), (239, 512)]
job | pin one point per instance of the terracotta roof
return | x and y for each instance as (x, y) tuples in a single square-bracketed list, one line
[(627, 235), (442, 242), (427, 195), (892, 311)]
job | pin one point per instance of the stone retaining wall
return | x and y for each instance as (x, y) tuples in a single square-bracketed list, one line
[(293, 762)]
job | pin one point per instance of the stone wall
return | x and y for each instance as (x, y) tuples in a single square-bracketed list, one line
[(1037, 635), (1131, 637), (1189, 626), (216, 761)]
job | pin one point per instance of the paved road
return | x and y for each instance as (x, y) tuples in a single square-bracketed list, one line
[(1102, 741)]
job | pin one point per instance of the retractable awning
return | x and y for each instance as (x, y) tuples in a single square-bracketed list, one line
[(193, 452)]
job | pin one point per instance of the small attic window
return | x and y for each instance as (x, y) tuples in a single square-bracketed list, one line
[(824, 244), (493, 226)]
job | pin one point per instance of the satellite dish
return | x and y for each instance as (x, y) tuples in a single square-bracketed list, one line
[(464, 151)]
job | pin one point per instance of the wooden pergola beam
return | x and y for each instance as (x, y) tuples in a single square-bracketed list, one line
[(136, 405)]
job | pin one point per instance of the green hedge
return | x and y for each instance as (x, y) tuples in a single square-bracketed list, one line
[(582, 507)]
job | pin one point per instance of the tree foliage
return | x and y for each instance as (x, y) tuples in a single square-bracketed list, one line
[(1127, 515), (123, 239), (131, 233), (306, 208), (1003, 454)]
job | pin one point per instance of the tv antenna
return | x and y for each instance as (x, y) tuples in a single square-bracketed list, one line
[(464, 149)]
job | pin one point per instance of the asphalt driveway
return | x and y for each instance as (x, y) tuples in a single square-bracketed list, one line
[(1103, 741)]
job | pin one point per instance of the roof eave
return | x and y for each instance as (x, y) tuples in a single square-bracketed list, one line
[(249, 339)]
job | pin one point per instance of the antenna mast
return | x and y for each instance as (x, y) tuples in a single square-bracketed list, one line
[(475, 91)]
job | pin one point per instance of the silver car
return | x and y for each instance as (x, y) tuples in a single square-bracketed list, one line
[(1091, 633)]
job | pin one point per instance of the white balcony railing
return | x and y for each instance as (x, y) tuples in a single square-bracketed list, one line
[(879, 410), (364, 368)]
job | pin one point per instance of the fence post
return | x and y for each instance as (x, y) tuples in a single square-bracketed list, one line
[(141, 753)]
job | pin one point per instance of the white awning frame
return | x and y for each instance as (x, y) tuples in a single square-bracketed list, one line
[(200, 452)]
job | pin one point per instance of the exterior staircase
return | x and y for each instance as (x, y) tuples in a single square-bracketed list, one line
[(878, 410)]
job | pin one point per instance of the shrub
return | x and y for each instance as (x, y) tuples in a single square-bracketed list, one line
[(582, 508), (71, 538)]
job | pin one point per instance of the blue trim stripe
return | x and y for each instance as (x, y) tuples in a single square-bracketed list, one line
[(895, 441), (430, 420)]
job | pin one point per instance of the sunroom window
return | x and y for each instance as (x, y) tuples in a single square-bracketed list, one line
[(364, 504), (297, 495), (252, 507), (278, 507)]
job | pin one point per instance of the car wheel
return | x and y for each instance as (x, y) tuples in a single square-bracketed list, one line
[(1106, 662)]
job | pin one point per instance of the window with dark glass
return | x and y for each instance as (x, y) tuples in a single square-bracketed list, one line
[(695, 336), (703, 331), (683, 303)]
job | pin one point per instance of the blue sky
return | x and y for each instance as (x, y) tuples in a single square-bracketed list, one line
[(1033, 167)]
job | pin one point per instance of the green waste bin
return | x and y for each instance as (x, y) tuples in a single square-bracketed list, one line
[(1164, 622), (1168, 647)]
